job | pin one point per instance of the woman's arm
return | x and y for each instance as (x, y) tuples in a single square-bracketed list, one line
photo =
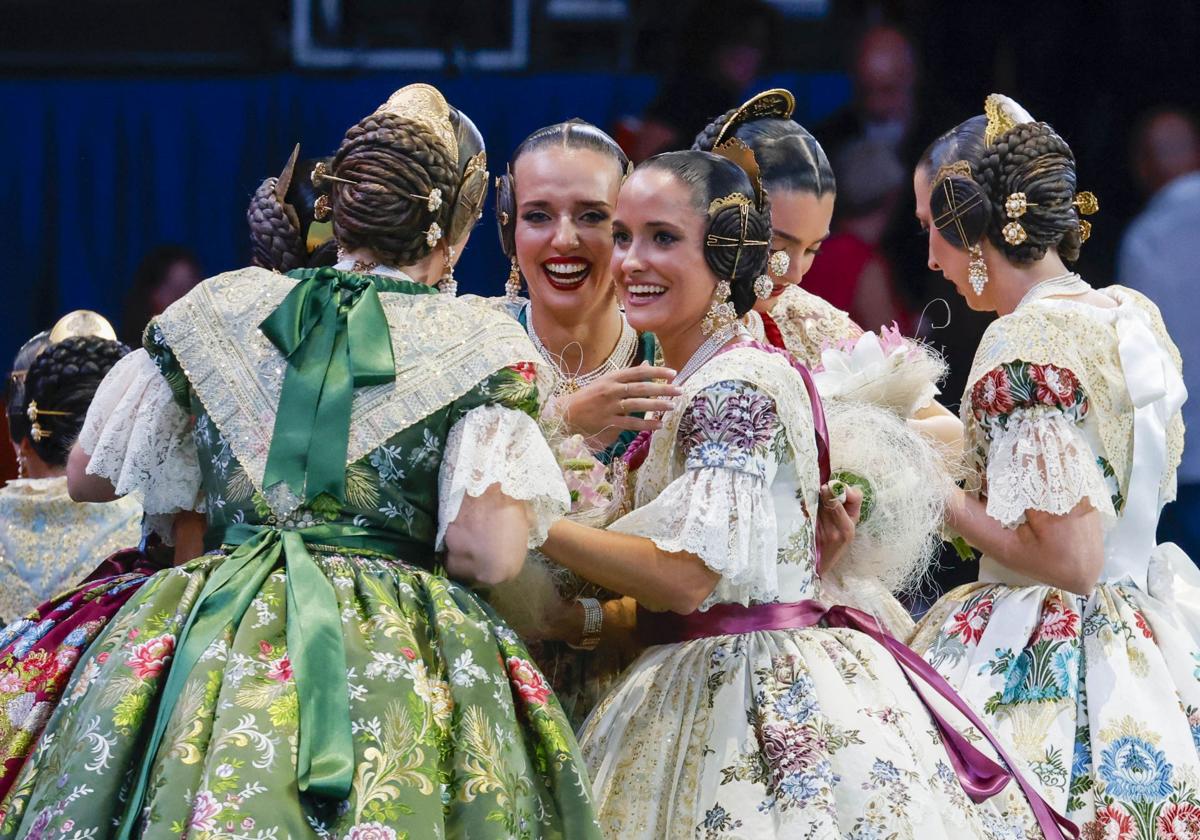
[(83, 487), (1064, 550), (188, 532), (634, 566), (487, 541)]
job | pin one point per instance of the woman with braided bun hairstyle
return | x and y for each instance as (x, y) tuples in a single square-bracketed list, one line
[(360, 443), (756, 711), (282, 217), (1080, 640), (55, 595), (554, 210)]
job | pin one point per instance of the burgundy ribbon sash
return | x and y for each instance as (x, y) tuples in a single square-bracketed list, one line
[(979, 775)]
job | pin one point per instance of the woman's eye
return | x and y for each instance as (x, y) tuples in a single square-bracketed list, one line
[(664, 238), (620, 237), (535, 216), (594, 217), (812, 252)]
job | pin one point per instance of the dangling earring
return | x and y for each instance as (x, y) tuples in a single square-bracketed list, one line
[(721, 313), (763, 287), (977, 274), (448, 285), (512, 287), (779, 263)]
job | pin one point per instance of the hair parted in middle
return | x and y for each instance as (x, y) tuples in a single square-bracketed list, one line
[(726, 190), (405, 176), (977, 166), (572, 134)]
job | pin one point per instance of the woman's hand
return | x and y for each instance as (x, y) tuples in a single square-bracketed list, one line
[(835, 524), (601, 411)]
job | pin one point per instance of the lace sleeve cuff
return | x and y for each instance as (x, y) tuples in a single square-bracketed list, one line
[(496, 445), (139, 438), (1040, 461), (723, 516)]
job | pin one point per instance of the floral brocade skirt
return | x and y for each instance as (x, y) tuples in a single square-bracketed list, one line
[(1100, 696), (38, 653), (811, 734), (454, 732)]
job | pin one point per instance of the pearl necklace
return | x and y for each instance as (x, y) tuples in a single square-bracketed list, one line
[(1064, 284), (706, 351), (620, 358)]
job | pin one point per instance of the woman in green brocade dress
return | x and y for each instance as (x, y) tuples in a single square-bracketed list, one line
[(317, 674)]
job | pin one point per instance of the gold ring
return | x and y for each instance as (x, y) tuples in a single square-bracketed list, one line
[(621, 406)]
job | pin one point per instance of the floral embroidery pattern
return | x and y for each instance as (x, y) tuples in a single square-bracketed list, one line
[(729, 424), (1020, 385)]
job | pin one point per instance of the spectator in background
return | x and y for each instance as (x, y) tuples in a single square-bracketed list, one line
[(852, 273), (165, 274), (716, 63), (1160, 256)]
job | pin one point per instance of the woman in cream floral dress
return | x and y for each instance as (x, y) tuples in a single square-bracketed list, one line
[(757, 711), (357, 436), (1079, 643)]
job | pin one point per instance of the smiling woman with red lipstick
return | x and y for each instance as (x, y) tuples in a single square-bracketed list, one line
[(554, 208), (757, 710)]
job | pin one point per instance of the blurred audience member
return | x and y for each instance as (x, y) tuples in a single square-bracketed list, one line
[(884, 108), (851, 272), (717, 62), (165, 275), (1160, 256)]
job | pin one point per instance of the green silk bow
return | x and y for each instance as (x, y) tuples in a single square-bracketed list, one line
[(333, 332), (315, 647)]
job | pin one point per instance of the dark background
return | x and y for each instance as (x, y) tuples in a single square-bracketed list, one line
[(128, 123)]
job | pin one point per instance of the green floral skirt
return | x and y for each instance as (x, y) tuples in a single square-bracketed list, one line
[(455, 732)]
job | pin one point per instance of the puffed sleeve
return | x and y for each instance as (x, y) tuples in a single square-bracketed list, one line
[(494, 439), (138, 434), (1038, 456), (721, 508)]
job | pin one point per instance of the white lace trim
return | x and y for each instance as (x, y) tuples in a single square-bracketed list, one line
[(724, 517), (140, 439), (1041, 461), (497, 445)]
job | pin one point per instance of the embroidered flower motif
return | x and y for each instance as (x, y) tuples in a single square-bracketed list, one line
[(371, 831), (992, 395), (150, 657), (1140, 621), (1056, 386), (787, 750), (526, 370), (1058, 621), (972, 619), (1111, 823), (281, 670), (1133, 769), (529, 683), (204, 811), (1179, 821)]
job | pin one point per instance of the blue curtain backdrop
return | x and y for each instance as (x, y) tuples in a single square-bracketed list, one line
[(98, 171)]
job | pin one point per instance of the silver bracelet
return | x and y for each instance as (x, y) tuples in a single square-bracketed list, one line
[(593, 619)]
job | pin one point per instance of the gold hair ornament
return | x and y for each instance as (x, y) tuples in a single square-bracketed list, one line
[(775, 102), (999, 120)]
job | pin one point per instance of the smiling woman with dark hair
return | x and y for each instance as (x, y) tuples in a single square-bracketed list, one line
[(757, 711)]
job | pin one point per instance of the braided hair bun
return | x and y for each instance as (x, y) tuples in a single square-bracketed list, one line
[(737, 235), (280, 214), (973, 174), (64, 378)]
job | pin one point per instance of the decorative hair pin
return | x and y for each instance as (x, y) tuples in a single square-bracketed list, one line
[(432, 201), (33, 412), (1087, 204), (433, 234), (1014, 207), (321, 174)]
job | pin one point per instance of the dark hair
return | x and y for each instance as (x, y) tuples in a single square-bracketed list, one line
[(279, 224), (150, 274), (15, 404), (711, 177), (1030, 158), (393, 160), (572, 134), (788, 156), (64, 378)]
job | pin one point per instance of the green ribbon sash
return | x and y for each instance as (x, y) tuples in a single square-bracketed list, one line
[(333, 332), (315, 646)]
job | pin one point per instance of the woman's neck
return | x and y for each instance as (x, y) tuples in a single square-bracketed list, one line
[(427, 272), (1010, 283), (678, 348), (592, 332)]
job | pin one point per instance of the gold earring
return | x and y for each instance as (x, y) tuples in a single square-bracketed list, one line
[(763, 287), (512, 287), (779, 263), (977, 274), (721, 313), (447, 285)]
